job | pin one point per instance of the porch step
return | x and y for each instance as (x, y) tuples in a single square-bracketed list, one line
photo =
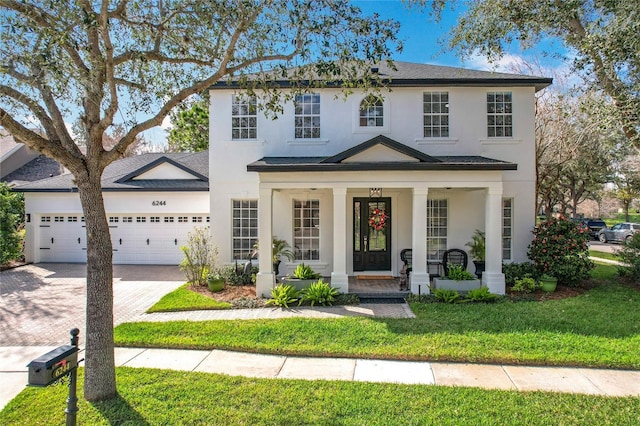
[(387, 297)]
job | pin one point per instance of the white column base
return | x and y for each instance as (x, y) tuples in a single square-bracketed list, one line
[(340, 281), (494, 281), (264, 283), (419, 283)]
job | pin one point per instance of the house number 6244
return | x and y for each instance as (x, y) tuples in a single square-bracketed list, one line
[(158, 203)]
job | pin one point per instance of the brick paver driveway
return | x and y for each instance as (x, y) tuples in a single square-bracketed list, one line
[(40, 303)]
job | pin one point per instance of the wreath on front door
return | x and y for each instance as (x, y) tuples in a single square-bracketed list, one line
[(378, 219)]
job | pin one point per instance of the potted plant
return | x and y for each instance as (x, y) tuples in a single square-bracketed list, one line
[(215, 282), (303, 276), (548, 283), (279, 249), (457, 278), (477, 252)]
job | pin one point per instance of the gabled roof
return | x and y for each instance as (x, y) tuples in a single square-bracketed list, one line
[(344, 161), (120, 175), (381, 141), (408, 74), (162, 160)]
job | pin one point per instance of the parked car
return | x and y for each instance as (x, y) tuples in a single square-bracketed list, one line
[(619, 232), (594, 225)]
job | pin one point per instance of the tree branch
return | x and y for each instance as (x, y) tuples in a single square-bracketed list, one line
[(51, 148)]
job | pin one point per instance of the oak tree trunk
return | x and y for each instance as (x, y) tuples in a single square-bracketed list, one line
[(99, 378)]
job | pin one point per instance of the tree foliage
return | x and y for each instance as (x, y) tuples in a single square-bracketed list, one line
[(190, 128), (11, 223), (132, 62), (601, 36), (626, 181)]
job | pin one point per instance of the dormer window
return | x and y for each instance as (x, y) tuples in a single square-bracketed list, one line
[(371, 112), (244, 118)]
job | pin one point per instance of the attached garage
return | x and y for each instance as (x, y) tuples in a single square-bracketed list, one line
[(152, 202)]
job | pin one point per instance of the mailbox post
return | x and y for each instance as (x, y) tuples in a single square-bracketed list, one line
[(53, 366)]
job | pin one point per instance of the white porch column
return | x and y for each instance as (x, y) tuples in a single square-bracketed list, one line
[(265, 279), (493, 277), (419, 275), (339, 278)]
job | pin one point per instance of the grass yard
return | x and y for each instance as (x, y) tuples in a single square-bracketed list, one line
[(183, 299), (600, 328), (603, 255), (153, 397)]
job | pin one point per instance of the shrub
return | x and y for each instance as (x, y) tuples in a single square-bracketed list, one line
[(11, 224), (458, 273), (480, 295), (234, 278), (447, 296), (319, 292), (199, 256), (516, 271), (525, 285), (560, 248), (629, 255), (304, 272), (282, 295)]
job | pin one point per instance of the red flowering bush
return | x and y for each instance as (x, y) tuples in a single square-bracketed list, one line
[(559, 248)]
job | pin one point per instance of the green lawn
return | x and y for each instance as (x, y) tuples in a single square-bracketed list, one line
[(183, 299), (600, 328), (154, 397), (603, 255)]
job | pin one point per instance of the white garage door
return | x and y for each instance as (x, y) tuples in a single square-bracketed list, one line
[(136, 238), (151, 239), (63, 238)]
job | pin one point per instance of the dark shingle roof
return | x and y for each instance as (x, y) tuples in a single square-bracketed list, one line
[(40, 167), (118, 176), (336, 162), (408, 74)]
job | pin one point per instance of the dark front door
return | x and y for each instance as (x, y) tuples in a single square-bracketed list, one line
[(371, 234)]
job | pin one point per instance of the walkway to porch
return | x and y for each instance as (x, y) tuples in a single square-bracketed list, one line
[(377, 286)]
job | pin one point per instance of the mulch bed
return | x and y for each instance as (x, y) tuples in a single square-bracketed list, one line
[(228, 293)]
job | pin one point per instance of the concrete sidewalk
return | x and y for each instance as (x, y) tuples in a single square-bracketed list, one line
[(517, 378)]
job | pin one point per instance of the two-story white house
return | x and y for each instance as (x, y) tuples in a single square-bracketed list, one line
[(351, 183)]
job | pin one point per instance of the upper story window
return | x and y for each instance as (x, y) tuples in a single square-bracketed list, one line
[(436, 114), (307, 116), (371, 112), (499, 114), (244, 118)]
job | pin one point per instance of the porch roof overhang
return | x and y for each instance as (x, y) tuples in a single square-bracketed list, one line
[(319, 164)]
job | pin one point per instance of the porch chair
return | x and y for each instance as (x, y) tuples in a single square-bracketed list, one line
[(454, 257), (407, 258)]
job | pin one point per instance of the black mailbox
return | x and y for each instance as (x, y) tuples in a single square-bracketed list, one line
[(53, 365)]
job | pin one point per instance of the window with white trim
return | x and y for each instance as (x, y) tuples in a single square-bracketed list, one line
[(168, 219), (183, 219), (113, 219), (372, 112), (58, 218), (244, 117), (141, 219), (499, 114), (437, 226), (45, 219), (306, 229), (154, 219), (127, 219), (72, 219), (196, 219), (435, 107), (307, 116), (507, 228), (244, 227)]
